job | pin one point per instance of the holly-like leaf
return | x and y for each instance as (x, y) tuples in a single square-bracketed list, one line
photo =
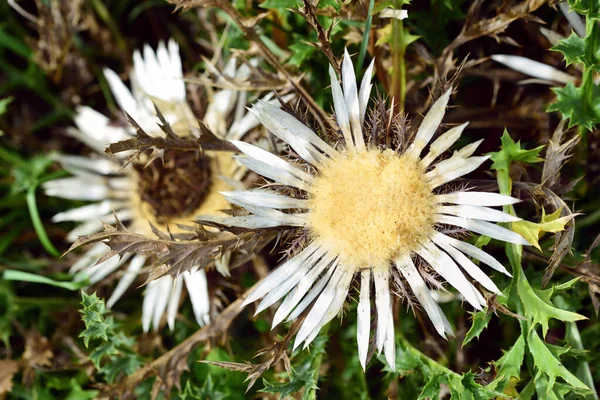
[(461, 387), (481, 319), (533, 231), (547, 364), (112, 353), (510, 363), (574, 50), (92, 315), (286, 389), (511, 151), (538, 306), (432, 389), (571, 102), (122, 365)]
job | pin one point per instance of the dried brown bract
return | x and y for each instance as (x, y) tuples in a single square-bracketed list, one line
[(154, 146)]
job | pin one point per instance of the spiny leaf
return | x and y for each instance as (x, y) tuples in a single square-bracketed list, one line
[(511, 151), (481, 320), (156, 145), (571, 102), (92, 315), (538, 307), (113, 354), (285, 389), (169, 255), (563, 239), (574, 50), (547, 364), (510, 363), (432, 389), (533, 231)]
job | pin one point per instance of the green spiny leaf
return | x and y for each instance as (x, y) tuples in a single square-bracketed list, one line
[(481, 320), (573, 49), (547, 364), (538, 307), (511, 151), (510, 363), (571, 102)]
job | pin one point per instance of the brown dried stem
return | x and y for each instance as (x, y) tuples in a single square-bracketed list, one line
[(169, 366)]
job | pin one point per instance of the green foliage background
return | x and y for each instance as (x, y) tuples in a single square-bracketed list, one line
[(541, 339)]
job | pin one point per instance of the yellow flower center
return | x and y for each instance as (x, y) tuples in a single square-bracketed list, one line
[(370, 207)]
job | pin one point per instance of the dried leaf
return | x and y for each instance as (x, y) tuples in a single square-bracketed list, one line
[(557, 153), (309, 13), (155, 146), (170, 254), (277, 351), (38, 353), (8, 369)]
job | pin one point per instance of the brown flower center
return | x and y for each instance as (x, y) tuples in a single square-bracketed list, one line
[(175, 187)]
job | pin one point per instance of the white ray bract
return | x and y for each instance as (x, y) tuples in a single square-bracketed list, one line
[(314, 292), (280, 274), (264, 198), (470, 268), (271, 166), (174, 299), (292, 279), (95, 224), (290, 130), (363, 312), (389, 345), (430, 124), (477, 199), (352, 103), (132, 271), (365, 91), (459, 167), (89, 258), (443, 265), (477, 212), (408, 270), (101, 166), (484, 228), (533, 68), (327, 306), (468, 150), (472, 251), (341, 110), (95, 129), (90, 211), (197, 288), (98, 272), (443, 143), (382, 303), (301, 288)]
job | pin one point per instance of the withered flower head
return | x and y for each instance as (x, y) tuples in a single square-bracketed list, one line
[(371, 213), (165, 191)]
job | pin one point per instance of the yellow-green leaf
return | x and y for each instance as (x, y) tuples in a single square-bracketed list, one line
[(533, 231)]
